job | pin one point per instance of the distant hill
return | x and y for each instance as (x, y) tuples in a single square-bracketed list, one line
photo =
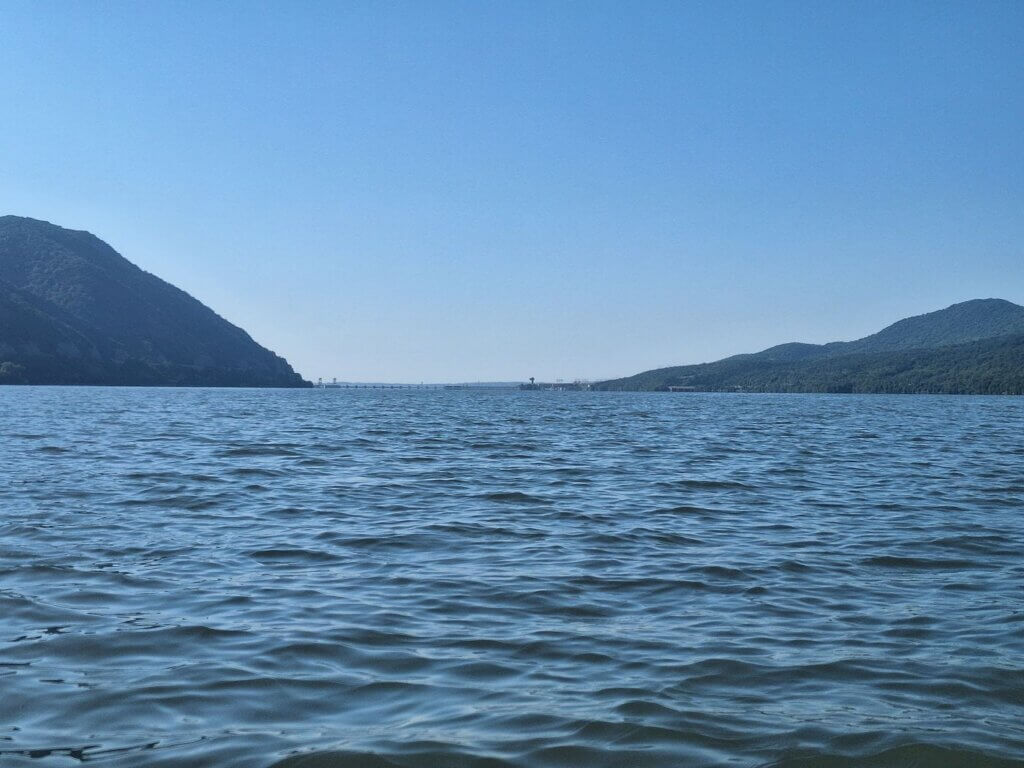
[(74, 311), (973, 347)]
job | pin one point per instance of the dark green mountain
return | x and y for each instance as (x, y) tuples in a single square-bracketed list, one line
[(74, 311), (973, 347)]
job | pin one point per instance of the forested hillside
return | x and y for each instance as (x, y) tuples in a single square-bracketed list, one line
[(973, 347), (74, 311)]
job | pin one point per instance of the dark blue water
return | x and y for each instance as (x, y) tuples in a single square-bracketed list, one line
[(377, 578)]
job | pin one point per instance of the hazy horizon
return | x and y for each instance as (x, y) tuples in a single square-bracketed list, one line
[(328, 379), (452, 192)]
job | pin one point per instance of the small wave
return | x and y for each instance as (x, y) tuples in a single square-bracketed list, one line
[(291, 554), (336, 760), (645, 708), (907, 756), (923, 563), (482, 670), (513, 497), (686, 509), (259, 450), (793, 566), (981, 544), (708, 485), (256, 472), (724, 572)]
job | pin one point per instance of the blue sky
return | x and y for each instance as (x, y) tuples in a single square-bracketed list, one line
[(493, 190)]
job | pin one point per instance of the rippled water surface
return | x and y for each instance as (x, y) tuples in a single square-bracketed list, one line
[(460, 578)]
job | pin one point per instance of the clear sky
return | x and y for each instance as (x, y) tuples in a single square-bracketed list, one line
[(436, 191)]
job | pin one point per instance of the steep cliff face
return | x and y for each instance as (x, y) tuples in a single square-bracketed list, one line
[(74, 311)]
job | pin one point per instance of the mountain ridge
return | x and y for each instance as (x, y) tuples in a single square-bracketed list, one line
[(75, 311), (951, 339)]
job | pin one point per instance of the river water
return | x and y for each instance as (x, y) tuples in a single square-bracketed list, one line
[(465, 578)]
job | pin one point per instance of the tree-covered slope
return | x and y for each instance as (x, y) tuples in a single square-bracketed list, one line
[(976, 346), (968, 321), (74, 311)]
